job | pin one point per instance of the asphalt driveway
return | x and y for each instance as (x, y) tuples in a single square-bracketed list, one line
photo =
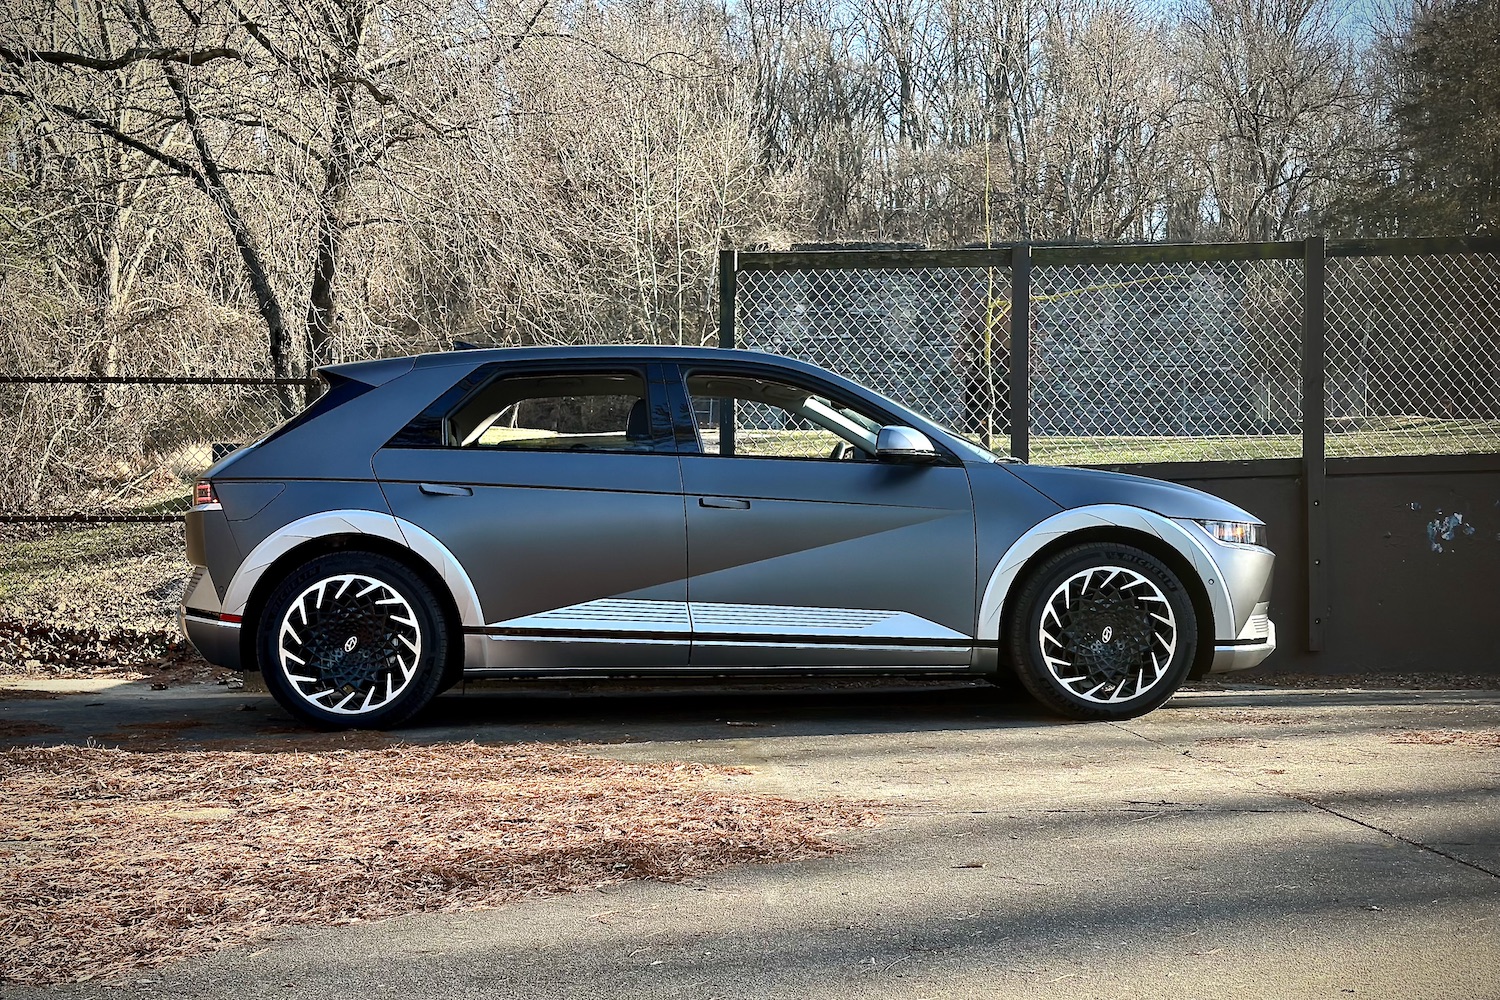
[(1248, 842)]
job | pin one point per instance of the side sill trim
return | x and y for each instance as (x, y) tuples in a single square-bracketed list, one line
[(727, 638)]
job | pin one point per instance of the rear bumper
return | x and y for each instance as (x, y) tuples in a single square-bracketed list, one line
[(219, 642), (200, 617)]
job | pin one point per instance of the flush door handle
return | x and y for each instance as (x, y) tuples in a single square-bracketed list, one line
[(444, 490), (724, 503)]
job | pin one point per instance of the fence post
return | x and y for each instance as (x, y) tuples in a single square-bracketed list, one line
[(1314, 435), (728, 266), (1020, 351)]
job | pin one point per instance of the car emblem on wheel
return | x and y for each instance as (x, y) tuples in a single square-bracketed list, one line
[(1109, 630), (349, 646)]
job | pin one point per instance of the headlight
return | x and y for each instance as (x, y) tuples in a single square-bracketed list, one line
[(1237, 532)]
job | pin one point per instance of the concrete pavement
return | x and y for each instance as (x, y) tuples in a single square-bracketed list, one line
[(1253, 842)]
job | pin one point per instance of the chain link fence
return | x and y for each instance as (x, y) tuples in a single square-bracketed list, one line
[(1066, 355), (1151, 354), (95, 474), (1165, 361), (1413, 354), (934, 338)]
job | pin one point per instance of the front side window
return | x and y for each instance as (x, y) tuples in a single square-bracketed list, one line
[(595, 411), (751, 417)]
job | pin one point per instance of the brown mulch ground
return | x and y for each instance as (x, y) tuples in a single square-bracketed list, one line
[(1446, 737), (26, 694), (113, 860)]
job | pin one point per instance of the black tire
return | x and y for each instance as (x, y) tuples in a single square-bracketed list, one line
[(366, 651), (1105, 649)]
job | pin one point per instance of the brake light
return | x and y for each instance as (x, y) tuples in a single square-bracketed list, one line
[(204, 494)]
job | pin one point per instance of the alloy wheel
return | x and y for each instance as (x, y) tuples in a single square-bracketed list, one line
[(1107, 634), (349, 644)]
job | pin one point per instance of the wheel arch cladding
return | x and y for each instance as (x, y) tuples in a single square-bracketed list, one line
[(1079, 526), (323, 545)]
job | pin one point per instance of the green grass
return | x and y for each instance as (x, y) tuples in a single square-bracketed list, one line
[(1049, 450), (45, 562), (1346, 439)]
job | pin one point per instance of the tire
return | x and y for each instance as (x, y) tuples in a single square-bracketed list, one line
[(353, 640), (1102, 631)]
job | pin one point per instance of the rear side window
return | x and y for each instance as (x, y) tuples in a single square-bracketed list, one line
[(593, 411)]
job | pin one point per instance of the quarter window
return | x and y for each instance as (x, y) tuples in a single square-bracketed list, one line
[(604, 411)]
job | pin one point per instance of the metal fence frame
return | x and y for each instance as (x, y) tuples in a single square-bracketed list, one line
[(1314, 467)]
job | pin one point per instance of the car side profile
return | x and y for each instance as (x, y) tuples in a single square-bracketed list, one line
[(645, 511)]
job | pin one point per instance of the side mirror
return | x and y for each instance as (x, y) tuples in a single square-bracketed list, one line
[(903, 444)]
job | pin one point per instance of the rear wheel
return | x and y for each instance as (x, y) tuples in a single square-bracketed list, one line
[(353, 639), (1103, 631)]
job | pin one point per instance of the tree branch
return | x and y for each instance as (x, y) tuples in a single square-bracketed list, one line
[(178, 166), (187, 57)]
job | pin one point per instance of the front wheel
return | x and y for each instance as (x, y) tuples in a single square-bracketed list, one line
[(352, 640), (1103, 631)]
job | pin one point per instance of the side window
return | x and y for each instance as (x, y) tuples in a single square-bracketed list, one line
[(750, 417), (591, 411)]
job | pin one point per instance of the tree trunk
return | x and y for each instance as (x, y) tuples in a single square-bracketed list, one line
[(338, 168)]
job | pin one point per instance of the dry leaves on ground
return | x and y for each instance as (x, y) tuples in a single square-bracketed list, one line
[(31, 647), (1446, 737), (1421, 680), (112, 860)]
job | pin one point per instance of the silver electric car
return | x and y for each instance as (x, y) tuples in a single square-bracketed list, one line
[(635, 511)]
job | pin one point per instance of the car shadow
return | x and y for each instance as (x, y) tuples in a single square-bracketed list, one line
[(500, 713), (633, 713)]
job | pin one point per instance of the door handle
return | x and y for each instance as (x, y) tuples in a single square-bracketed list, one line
[(442, 490), (723, 503)]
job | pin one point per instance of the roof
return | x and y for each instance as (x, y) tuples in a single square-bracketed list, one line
[(379, 370), (652, 352)]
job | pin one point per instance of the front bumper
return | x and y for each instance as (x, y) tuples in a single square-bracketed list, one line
[(1256, 641)]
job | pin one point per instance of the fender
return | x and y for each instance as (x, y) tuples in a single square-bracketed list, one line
[(355, 522), (1107, 515)]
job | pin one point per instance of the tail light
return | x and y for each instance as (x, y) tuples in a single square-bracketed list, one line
[(204, 494)]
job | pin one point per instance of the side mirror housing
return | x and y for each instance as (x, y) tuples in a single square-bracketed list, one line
[(903, 444)]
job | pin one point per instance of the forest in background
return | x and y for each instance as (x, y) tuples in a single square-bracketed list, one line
[(225, 187)]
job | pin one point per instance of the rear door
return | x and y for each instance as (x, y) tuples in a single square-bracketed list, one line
[(558, 490), (803, 550)]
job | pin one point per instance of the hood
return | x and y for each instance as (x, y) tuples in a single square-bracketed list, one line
[(1080, 487)]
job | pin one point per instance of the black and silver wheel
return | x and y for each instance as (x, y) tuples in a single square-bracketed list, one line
[(1103, 631), (353, 639)]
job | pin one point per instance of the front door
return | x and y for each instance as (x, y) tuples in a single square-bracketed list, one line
[(559, 493), (803, 550)]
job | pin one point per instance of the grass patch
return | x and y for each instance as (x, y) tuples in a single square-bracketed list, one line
[(1346, 439), (94, 575), (112, 860)]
